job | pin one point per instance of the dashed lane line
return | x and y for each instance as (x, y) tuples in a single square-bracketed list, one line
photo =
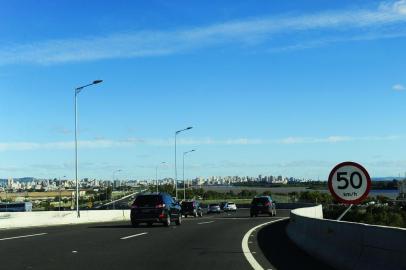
[(208, 222), (22, 236), (132, 236)]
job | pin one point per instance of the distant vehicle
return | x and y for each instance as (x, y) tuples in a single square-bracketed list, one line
[(230, 206), (214, 208), (191, 208), (222, 204), (16, 207), (262, 205), (155, 208)]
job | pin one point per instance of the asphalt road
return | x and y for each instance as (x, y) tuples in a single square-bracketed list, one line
[(212, 242)]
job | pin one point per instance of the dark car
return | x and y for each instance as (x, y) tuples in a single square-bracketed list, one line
[(191, 208), (214, 208), (155, 208), (263, 205), (222, 205)]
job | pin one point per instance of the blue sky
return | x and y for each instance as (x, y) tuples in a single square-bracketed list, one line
[(270, 87)]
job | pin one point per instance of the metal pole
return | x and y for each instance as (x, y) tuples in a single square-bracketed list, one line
[(59, 194), (156, 178), (76, 155), (176, 171), (176, 168), (112, 188), (184, 186), (345, 212), (184, 182)]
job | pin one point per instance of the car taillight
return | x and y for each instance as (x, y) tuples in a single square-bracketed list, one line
[(268, 204), (160, 206)]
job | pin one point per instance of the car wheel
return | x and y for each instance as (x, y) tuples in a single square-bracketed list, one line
[(149, 224), (134, 224), (185, 216), (167, 222), (178, 222)]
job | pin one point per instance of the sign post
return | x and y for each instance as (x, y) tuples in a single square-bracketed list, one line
[(349, 183)]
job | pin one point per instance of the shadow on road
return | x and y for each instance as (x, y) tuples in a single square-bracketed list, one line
[(110, 227), (282, 253)]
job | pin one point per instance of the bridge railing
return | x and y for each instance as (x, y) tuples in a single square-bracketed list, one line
[(10, 220), (347, 245)]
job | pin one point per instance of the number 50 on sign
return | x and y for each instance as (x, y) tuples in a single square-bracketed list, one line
[(349, 183)]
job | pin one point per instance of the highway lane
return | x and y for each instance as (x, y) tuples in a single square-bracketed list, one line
[(211, 242)]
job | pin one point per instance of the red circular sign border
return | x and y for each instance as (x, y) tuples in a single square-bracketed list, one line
[(330, 184)]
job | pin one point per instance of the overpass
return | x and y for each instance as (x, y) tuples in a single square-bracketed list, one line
[(224, 241), (211, 242)]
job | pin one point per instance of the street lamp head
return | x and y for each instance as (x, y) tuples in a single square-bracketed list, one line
[(189, 127), (97, 81)]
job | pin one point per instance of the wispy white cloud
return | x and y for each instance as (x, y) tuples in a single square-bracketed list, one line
[(398, 87), (246, 32), (107, 143)]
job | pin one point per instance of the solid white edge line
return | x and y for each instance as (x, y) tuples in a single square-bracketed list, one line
[(22, 236), (246, 250), (131, 236), (208, 222)]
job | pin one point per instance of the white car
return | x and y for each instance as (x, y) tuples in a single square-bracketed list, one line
[(230, 206)]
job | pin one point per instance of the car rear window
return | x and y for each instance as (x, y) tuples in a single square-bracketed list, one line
[(148, 200), (231, 203), (262, 200), (213, 205), (187, 204)]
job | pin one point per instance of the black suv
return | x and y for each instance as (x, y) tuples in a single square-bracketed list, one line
[(155, 208), (191, 208), (263, 205)]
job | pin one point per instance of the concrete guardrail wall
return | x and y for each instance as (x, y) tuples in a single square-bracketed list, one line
[(50, 218), (347, 245)]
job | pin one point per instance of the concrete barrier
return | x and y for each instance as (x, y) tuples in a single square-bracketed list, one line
[(347, 245), (51, 218)]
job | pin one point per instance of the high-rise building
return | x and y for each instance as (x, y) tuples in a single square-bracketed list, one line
[(10, 182), (402, 189)]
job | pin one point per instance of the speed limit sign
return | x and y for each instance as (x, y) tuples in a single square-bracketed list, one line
[(349, 183)]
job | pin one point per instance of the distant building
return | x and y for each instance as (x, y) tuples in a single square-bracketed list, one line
[(117, 183), (10, 182), (402, 189)]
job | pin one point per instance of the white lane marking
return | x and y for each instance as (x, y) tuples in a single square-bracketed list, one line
[(208, 222), (244, 218), (246, 250), (22, 236), (132, 236)]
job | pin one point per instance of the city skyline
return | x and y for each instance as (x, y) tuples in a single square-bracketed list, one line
[(268, 90)]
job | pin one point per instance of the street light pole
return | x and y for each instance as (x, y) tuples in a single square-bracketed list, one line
[(77, 91), (112, 187), (176, 169), (60, 183), (184, 183), (156, 176)]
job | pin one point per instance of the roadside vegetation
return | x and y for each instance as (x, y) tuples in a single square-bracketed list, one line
[(378, 214)]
